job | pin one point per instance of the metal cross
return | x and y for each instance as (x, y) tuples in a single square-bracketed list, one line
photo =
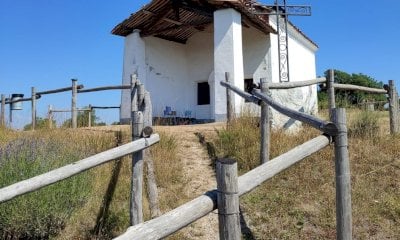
[(282, 11)]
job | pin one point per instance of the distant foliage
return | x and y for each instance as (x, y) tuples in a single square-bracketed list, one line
[(345, 98), (41, 123), (83, 120)]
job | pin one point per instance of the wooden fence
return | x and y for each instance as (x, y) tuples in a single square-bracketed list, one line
[(225, 197), (75, 89), (142, 138)]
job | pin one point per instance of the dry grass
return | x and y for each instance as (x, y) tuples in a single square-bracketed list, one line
[(300, 202), (297, 204), (111, 194)]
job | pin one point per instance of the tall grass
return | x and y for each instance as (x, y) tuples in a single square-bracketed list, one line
[(105, 215), (42, 214), (300, 202)]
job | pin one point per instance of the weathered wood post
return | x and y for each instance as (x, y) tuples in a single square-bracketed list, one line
[(50, 116), (397, 111), (74, 115), (3, 110), (152, 192), (228, 199), (90, 116), (33, 108), (393, 108), (331, 92), (342, 172), (264, 124), (136, 207), (230, 108)]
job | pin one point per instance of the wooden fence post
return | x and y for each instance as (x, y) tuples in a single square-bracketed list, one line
[(331, 92), (3, 110), (74, 115), (152, 192), (90, 116), (393, 108), (264, 124), (230, 108), (50, 116), (342, 172), (136, 206), (33, 108), (228, 199)]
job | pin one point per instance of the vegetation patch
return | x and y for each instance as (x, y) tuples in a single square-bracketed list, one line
[(43, 213), (300, 202)]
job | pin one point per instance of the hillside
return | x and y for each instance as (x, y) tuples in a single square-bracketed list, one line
[(297, 204)]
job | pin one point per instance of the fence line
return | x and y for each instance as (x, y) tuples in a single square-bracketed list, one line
[(104, 88), (75, 89), (390, 89), (59, 90), (359, 88), (257, 96), (185, 214), (189, 212), (35, 183)]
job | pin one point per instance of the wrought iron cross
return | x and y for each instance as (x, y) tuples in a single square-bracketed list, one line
[(282, 11)]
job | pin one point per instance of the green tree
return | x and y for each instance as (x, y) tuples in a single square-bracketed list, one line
[(41, 123), (83, 120), (351, 97)]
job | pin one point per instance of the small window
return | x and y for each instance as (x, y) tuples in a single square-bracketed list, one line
[(203, 93)]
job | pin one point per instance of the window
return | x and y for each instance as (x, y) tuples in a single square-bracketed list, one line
[(203, 93)]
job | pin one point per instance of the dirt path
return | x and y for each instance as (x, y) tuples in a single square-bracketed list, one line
[(199, 172)]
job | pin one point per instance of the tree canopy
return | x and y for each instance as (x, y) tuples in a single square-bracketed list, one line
[(345, 97), (41, 123), (83, 120)]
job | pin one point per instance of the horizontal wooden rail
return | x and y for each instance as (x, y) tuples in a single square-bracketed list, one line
[(241, 93), (288, 85), (257, 96), (35, 183), (351, 87), (66, 89), (104, 88), (324, 126), (69, 110), (8, 100), (95, 107), (187, 213), (359, 88)]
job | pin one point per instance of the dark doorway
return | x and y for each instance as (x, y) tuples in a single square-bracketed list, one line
[(203, 93)]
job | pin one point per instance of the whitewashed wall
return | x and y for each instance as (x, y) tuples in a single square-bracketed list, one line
[(171, 71), (302, 67), (257, 59)]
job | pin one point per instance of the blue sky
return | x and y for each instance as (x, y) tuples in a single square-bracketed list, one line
[(45, 43)]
